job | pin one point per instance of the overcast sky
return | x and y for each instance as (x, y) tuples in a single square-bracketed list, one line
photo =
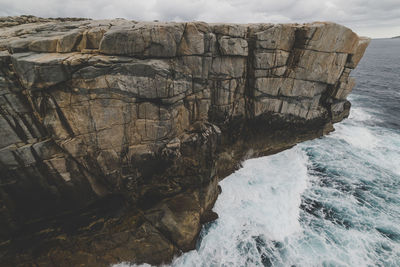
[(373, 18)]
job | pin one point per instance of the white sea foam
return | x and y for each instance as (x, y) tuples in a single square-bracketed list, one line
[(354, 131), (260, 200), (269, 188), (358, 114), (357, 136)]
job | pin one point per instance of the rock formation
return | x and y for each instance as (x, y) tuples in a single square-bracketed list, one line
[(115, 133)]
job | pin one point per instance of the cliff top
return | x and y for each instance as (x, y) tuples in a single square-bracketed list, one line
[(61, 35), (10, 21)]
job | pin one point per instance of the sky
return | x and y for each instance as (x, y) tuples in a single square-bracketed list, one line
[(373, 18)]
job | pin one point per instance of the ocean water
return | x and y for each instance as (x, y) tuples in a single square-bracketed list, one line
[(333, 201)]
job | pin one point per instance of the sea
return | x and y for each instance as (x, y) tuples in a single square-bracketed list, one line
[(332, 201)]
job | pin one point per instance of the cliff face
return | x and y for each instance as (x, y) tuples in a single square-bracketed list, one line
[(114, 133)]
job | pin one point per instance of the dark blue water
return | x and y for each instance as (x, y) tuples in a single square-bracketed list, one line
[(378, 82), (334, 201)]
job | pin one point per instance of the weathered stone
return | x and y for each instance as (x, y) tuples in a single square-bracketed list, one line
[(228, 67), (40, 70), (267, 105), (47, 149), (148, 111), (268, 60), (7, 157), (233, 46), (139, 251), (329, 37), (193, 66), (299, 108), (357, 53), (144, 40), (269, 86), (45, 44), (280, 36), (319, 66), (149, 115), (344, 88), (224, 92), (340, 110), (234, 30), (179, 217), (192, 42), (288, 87), (68, 42), (91, 38), (7, 133)]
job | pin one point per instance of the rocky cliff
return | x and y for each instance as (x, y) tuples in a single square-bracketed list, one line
[(115, 133)]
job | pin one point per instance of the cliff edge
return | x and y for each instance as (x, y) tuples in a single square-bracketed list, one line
[(115, 133)]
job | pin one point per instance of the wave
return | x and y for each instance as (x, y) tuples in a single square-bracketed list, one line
[(258, 209)]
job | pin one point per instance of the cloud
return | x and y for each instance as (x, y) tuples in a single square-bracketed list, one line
[(366, 17)]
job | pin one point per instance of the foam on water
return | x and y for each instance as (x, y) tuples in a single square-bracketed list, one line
[(258, 208), (353, 206)]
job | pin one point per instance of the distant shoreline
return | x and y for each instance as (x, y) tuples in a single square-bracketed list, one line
[(386, 38)]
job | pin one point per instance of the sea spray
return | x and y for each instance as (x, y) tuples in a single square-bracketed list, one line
[(259, 203)]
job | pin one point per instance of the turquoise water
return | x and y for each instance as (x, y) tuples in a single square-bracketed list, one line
[(333, 201)]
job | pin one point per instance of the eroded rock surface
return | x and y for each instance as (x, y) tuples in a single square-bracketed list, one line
[(114, 133)]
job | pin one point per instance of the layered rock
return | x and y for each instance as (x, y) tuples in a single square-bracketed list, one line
[(115, 133)]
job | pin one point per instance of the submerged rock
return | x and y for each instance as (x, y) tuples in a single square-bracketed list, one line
[(115, 133)]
